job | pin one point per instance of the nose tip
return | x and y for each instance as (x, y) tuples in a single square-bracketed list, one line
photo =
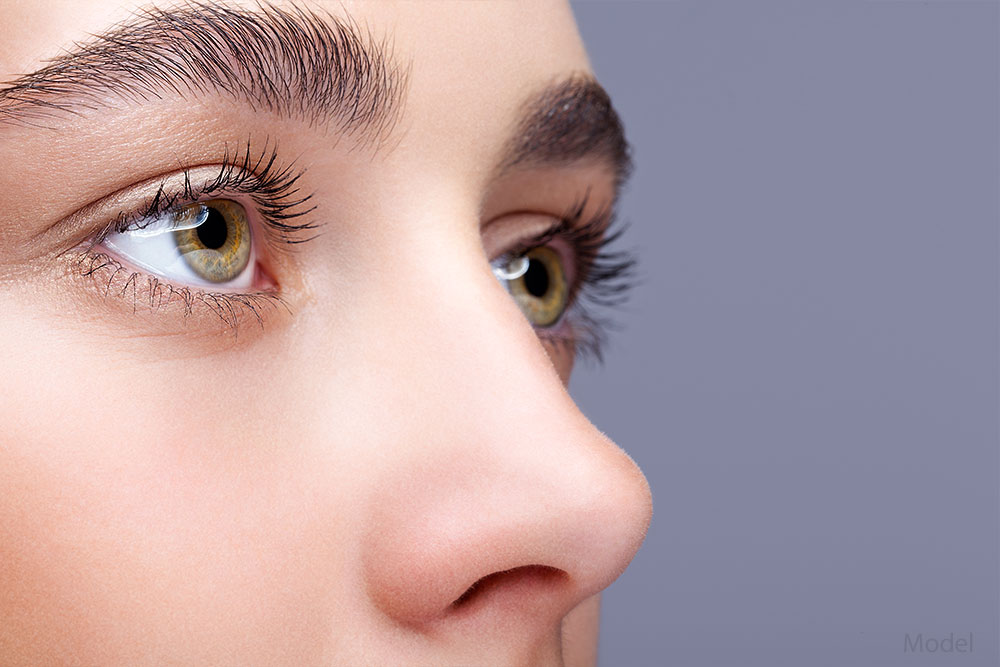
[(505, 538)]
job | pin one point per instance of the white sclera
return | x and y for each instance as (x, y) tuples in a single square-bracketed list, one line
[(154, 249)]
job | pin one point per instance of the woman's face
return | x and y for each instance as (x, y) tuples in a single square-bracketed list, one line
[(288, 308)]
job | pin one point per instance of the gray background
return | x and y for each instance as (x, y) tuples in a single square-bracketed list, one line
[(809, 373)]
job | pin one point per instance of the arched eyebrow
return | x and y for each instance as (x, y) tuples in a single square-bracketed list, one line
[(567, 122), (286, 60)]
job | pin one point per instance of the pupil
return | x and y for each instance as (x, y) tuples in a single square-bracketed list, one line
[(536, 279), (213, 232)]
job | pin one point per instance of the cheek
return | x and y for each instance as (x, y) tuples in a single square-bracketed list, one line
[(129, 519), (106, 551)]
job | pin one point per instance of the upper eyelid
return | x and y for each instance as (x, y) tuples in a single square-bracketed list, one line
[(270, 186), (129, 221), (96, 219), (532, 241), (581, 226)]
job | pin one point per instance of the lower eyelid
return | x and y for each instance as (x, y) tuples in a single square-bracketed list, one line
[(148, 303)]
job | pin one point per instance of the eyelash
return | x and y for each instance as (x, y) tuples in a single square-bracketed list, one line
[(602, 276), (272, 188)]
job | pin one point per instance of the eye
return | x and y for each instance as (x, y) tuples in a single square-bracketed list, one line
[(206, 243), (537, 281)]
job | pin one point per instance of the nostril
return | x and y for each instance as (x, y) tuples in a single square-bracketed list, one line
[(515, 584)]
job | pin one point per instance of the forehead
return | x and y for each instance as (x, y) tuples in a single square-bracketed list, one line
[(518, 32)]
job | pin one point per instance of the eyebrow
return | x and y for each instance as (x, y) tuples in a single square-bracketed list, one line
[(570, 121), (289, 61)]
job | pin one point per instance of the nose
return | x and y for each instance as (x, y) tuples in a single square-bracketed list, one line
[(507, 507)]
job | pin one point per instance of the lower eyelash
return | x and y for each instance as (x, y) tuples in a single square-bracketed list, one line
[(148, 291)]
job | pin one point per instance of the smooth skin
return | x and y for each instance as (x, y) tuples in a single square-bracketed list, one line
[(322, 488)]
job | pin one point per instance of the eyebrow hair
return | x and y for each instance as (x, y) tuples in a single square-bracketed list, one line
[(569, 121), (289, 61)]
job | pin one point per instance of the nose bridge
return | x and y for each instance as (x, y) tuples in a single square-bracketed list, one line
[(495, 469), (454, 340), (461, 354)]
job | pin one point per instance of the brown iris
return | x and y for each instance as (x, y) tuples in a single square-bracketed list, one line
[(217, 248), (541, 291)]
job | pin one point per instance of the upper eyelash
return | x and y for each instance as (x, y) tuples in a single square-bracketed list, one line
[(603, 276), (272, 188)]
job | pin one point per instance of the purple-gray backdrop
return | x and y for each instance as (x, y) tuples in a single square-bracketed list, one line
[(809, 374)]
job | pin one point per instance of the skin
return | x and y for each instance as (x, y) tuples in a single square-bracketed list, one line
[(320, 489)]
